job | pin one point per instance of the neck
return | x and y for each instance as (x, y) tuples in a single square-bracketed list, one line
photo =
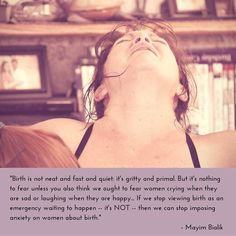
[(141, 118), (142, 106)]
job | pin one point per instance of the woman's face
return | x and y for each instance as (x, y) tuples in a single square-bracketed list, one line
[(6, 66), (143, 51)]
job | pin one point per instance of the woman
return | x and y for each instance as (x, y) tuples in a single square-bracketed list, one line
[(6, 76), (23, 147), (141, 88), (7, 80)]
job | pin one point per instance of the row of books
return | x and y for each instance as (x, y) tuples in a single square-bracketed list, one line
[(214, 108)]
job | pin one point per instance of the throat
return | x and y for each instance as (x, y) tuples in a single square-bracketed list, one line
[(140, 113), (141, 127)]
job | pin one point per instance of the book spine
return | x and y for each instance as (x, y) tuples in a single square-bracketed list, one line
[(79, 93), (203, 116), (225, 97), (206, 99), (210, 99), (87, 72), (231, 105), (218, 97), (193, 111)]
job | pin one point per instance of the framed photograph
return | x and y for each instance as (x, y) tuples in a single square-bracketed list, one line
[(23, 72), (186, 7), (224, 7)]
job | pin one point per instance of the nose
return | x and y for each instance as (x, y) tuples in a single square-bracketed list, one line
[(142, 37)]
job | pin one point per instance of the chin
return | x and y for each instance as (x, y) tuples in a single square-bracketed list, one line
[(145, 68), (144, 64)]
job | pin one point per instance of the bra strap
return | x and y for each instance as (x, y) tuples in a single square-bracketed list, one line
[(193, 152), (84, 141)]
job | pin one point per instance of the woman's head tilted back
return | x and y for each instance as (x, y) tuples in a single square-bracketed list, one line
[(164, 34)]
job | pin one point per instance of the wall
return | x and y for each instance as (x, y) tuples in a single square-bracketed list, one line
[(63, 55), (64, 51)]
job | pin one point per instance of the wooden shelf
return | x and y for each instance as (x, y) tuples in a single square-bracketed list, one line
[(61, 29)]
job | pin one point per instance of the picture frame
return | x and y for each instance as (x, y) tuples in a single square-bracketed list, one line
[(224, 8), (5, 12), (24, 72), (180, 8)]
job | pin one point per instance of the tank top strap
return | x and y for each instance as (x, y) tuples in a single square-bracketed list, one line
[(193, 152), (84, 141)]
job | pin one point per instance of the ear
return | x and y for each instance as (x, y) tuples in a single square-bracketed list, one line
[(100, 93), (181, 93)]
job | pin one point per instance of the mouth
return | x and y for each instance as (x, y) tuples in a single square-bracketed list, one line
[(144, 48)]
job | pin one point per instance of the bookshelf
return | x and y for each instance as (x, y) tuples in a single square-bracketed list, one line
[(214, 74), (213, 27)]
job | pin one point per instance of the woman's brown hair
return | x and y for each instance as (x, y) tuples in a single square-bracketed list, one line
[(103, 48), (25, 147)]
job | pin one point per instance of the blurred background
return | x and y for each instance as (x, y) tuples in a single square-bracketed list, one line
[(68, 30), (82, 10)]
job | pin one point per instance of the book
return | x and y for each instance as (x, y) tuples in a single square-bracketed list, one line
[(225, 97), (87, 72), (214, 109), (201, 116), (231, 103), (218, 111)]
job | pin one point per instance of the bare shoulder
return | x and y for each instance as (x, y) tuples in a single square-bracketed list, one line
[(59, 125), (216, 149), (71, 131)]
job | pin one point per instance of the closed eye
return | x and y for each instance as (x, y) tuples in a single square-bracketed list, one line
[(159, 41), (122, 41)]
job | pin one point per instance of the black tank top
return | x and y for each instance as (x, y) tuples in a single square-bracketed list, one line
[(191, 146)]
